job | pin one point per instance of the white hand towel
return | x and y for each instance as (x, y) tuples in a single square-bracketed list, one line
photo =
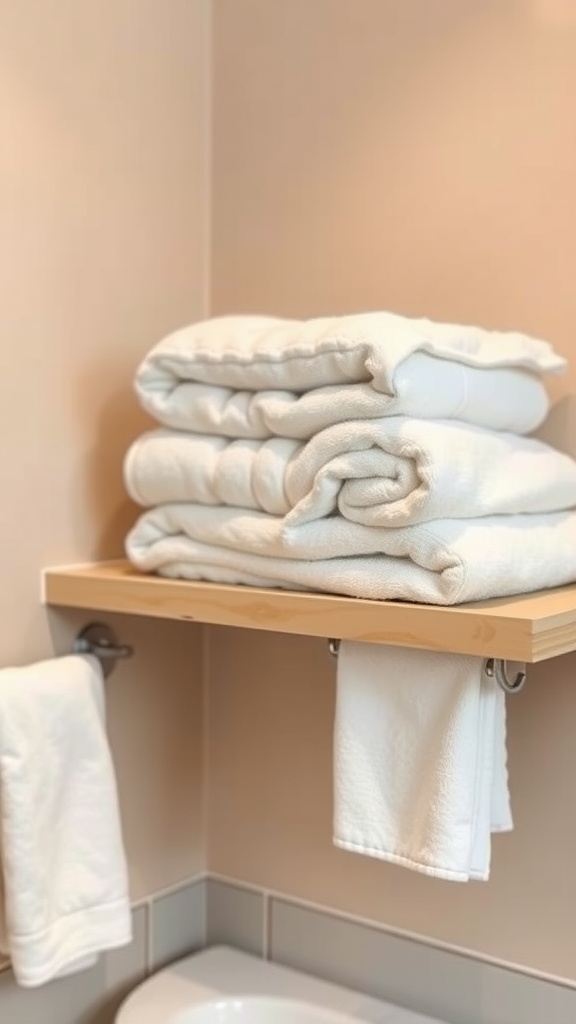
[(419, 759), (63, 866)]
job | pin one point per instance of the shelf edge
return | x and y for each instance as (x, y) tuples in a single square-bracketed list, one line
[(489, 629)]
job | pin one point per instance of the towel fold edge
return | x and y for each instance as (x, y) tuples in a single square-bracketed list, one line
[(433, 871), (71, 940)]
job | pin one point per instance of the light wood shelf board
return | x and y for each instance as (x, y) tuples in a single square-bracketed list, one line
[(530, 628)]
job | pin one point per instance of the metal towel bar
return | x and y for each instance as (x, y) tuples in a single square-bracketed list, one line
[(495, 668), (100, 640)]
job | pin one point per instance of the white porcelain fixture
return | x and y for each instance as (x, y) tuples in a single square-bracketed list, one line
[(223, 986)]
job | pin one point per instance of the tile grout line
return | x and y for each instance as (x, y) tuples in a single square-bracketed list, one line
[(169, 890), (149, 936), (266, 923), (205, 912)]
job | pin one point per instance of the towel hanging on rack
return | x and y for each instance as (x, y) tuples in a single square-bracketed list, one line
[(59, 808), (420, 776)]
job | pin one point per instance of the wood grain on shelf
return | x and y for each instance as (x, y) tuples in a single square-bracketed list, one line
[(531, 627)]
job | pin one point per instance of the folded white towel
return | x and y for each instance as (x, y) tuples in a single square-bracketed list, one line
[(420, 774), (441, 562), (424, 386), (387, 472), (163, 466), (367, 365), (65, 895)]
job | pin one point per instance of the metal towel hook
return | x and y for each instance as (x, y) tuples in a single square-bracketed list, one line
[(333, 647), (495, 668), (100, 640)]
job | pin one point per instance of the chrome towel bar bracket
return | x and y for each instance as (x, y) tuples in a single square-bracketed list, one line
[(495, 668), (100, 640)]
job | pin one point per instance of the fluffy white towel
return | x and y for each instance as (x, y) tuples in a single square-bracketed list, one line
[(441, 562), (63, 867), (403, 367), (388, 472), (420, 774), (424, 386), (164, 466)]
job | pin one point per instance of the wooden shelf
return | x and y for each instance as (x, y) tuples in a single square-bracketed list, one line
[(530, 628)]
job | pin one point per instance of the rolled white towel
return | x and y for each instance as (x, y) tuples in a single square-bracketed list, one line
[(390, 472)]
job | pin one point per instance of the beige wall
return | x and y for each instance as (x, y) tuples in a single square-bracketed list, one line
[(103, 197), (419, 157)]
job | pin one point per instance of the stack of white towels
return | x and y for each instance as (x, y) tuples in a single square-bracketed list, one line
[(367, 455), (379, 457)]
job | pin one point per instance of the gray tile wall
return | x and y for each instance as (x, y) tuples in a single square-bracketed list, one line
[(165, 928), (177, 924), (90, 997), (235, 917), (443, 984), (452, 987)]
